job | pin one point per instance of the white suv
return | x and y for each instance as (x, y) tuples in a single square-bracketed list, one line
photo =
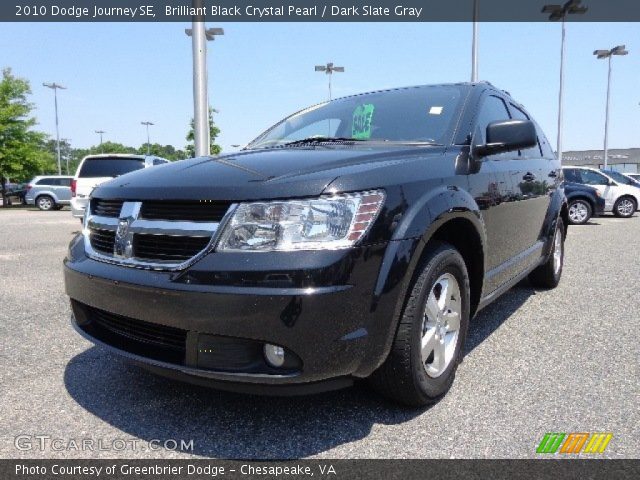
[(96, 169), (620, 197)]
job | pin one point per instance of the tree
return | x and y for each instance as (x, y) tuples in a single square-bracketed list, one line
[(22, 150), (214, 131), (165, 151)]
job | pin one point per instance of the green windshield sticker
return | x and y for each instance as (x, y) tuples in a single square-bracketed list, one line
[(361, 125)]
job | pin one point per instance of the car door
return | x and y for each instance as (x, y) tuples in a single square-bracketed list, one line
[(535, 176), (64, 190), (493, 190)]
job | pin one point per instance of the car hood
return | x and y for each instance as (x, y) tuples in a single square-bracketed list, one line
[(257, 174)]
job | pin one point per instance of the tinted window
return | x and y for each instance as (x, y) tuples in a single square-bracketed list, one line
[(48, 181), (572, 175), (420, 114), (533, 152), (109, 167), (589, 177), (493, 110), (65, 182), (620, 178)]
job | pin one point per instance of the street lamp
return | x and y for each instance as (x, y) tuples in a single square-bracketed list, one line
[(329, 68), (148, 142), (54, 86), (474, 44), (100, 132), (602, 54), (199, 38), (560, 12)]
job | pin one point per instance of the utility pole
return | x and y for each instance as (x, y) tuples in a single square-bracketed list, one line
[(148, 142), (199, 37), (54, 86), (474, 44), (100, 132), (329, 68)]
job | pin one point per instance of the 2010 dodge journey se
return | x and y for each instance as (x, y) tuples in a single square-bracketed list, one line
[(354, 239)]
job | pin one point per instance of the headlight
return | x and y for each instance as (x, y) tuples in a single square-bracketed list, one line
[(323, 223)]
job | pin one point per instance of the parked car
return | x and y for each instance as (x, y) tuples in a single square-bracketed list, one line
[(15, 193), (96, 169), (354, 239), (584, 202), (621, 199), (49, 192)]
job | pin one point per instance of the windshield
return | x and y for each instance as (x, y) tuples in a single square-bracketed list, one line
[(620, 178), (407, 115), (109, 167)]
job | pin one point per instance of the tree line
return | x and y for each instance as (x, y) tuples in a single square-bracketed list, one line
[(26, 152)]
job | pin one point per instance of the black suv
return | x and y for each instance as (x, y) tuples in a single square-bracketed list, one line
[(354, 239)]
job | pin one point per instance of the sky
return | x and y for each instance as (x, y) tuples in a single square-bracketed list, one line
[(119, 74)]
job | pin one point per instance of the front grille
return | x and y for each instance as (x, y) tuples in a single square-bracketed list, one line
[(106, 208), (184, 211), (103, 240), (167, 247)]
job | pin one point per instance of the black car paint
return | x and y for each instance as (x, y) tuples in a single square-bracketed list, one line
[(337, 310), (585, 192)]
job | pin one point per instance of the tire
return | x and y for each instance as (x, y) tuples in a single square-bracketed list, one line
[(45, 203), (580, 211), (625, 207), (549, 273), (408, 376)]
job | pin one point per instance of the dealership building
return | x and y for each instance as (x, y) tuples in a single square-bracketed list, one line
[(622, 160)]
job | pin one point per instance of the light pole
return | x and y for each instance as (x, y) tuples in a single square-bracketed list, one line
[(199, 37), (329, 68), (474, 44), (54, 86), (100, 132), (560, 12), (602, 54), (148, 142)]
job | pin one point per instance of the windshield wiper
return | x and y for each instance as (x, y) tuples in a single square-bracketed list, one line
[(312, 140)]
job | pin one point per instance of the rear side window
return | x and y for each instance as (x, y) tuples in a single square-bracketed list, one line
[(48, 181), (65, 182), (109, 167)]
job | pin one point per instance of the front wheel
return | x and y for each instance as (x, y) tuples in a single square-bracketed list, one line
[(625, 207), (428, 345), (548, 274), (580, 212)]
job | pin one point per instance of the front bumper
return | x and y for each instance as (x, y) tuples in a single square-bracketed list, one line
[(78, 206), (329, 308)]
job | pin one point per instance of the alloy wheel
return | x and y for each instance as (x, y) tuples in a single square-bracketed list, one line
[(578, 212), (441, 325)]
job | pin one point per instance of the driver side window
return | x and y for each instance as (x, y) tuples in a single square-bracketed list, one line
[(589, 177), (493, 110)]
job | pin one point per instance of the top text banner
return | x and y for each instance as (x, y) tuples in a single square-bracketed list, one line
[(307, 10)]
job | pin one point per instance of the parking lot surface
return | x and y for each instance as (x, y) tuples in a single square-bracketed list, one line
[(536, 361)]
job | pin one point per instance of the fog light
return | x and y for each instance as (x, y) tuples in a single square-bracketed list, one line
[(274, 355)]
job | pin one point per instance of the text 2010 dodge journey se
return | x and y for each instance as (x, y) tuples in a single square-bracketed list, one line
[(353, 239)]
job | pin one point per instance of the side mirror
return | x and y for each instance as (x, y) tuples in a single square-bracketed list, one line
[(507, 136)]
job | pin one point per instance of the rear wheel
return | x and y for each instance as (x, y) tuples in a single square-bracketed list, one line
[(625, 207), (580, 211), (548, 274), (45, 202), (428, 345)]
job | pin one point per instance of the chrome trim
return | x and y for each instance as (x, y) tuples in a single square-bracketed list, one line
[(129, 215)]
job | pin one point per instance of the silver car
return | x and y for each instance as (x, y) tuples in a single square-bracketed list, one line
[(49, 192)]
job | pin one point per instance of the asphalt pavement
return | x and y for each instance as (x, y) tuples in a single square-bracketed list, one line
[(536, 361)]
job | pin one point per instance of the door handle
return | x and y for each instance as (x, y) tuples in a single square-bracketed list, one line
[(529, 177)]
